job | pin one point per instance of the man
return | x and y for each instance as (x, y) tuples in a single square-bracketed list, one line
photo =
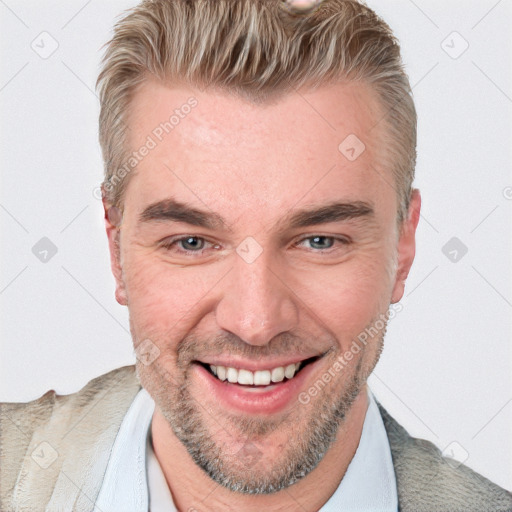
[(259, 160)]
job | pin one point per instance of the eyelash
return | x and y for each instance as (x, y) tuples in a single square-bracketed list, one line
[(169, 243)]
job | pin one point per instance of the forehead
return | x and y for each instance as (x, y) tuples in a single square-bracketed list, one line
[(309, 146)]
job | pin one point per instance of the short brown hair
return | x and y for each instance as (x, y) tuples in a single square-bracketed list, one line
[(256, 49)]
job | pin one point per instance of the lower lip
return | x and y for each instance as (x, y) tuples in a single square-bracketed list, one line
[(254, 399)]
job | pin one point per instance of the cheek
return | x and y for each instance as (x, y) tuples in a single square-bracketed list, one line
[(165, 298), (347, 297), (167, 301)]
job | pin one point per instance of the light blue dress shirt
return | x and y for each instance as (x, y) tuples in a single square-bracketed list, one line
[(134, 481)]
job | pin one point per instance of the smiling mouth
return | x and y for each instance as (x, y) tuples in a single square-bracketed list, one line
[(259, 377)]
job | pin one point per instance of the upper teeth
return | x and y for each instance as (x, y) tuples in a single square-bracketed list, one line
[(258, 378)]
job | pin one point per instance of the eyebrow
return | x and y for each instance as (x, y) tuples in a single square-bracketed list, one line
[(173, 210), (333, 212)]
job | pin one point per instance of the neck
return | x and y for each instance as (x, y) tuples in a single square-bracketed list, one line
[(192, 489)]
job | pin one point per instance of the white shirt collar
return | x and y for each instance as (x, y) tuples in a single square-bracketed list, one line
[(134, 479)]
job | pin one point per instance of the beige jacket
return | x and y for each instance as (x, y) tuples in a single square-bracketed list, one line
[(54, 453)]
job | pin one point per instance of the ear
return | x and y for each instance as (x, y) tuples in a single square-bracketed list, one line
[(406, 245), (113, 228)]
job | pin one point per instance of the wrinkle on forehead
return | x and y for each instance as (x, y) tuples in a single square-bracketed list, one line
[(276, 155)]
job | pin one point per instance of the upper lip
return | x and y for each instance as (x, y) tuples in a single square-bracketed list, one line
[(252, 365)]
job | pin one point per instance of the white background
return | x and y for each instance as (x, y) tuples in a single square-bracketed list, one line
[(446, 369)]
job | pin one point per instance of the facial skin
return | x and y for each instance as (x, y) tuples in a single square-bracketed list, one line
[(250, 169)]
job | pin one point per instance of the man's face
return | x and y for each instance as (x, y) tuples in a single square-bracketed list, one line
[(250, 241)]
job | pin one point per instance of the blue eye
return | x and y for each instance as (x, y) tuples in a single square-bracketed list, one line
[(321, 242), (188, 245), (192, 243)]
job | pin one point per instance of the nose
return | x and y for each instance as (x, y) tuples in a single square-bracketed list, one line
[(256, 304)]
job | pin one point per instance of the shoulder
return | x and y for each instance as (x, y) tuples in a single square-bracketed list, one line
[(89, 418), (428, 481), (36, 411)]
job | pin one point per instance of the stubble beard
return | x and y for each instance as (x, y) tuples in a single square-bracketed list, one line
[(247, 470)]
